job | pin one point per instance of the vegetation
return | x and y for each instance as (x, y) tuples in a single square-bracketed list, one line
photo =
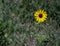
[(18, 26)]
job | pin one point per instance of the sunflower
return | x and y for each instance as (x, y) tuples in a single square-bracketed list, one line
[(40, 15)]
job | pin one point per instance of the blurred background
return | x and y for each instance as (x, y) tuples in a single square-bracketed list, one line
[(19, 28)]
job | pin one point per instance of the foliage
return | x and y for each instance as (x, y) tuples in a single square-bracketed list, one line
[(19, 28)]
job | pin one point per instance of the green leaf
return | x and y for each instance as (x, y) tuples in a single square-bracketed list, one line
[(40, 38)]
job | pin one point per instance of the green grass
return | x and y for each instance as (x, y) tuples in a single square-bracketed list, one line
[(19, 28)]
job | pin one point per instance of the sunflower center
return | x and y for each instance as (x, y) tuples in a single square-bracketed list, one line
[(40, 15)]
